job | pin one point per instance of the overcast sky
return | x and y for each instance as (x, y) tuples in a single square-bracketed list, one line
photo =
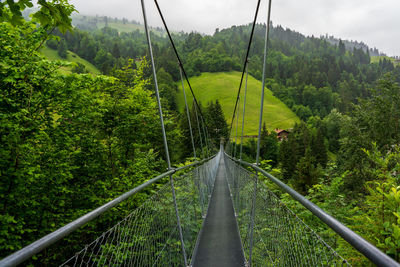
[(375, 22)]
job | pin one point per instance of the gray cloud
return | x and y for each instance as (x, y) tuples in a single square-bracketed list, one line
[(376, 23)]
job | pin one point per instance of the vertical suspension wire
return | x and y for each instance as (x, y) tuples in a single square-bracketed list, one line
[(227, 143), (163, 131), (259, 132), (244, 110), (198, 127), (210, 143), (212, 146), (244, 65), (206, 141), (237, 126), (263, 82), (188, 114), (231, 145), (156, 87)]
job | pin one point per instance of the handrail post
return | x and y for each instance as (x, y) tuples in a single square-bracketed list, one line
[(163, 132), (260, 125)]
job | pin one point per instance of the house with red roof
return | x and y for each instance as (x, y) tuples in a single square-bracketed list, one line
[(281, 134)]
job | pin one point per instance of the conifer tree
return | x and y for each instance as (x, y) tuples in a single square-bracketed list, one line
[(288, 158), (216, 122), (342, 48), (62, 49), (307, 172), (116, 51), (269, 145), (318, 148)]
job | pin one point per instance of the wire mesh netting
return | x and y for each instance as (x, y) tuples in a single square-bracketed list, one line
[(149, 236), (280, 238)]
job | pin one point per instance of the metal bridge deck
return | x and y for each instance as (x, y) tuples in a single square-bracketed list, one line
[(219, 243)]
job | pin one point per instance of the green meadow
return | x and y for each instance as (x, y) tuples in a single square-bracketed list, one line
[(128, 27), (224, 86)]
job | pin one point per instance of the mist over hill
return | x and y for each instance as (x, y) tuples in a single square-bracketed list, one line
[(87, 22)]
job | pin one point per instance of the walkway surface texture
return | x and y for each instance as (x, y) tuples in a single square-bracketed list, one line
[(219, 243)]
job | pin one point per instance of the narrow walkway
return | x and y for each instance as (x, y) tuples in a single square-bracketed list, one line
[(219, 243)]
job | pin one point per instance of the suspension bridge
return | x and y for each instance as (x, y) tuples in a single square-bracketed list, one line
[(213, 212)]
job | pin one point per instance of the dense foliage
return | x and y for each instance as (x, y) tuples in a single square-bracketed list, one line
[(69, 143)]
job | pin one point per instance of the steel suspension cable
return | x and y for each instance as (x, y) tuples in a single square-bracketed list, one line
[(245, 62), (178, 57)]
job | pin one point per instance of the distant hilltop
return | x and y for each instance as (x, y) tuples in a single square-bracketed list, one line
[(350, 45), (88, 22)]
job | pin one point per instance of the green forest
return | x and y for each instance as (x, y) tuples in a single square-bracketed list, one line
[(79, 123)]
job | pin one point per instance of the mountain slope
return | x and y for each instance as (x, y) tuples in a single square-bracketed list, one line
[(51, 54), (224, 85)]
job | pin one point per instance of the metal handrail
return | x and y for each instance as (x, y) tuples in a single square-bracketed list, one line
[(46, 241), (367, 249)]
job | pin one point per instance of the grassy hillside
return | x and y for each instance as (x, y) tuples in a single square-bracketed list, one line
[(375, 59), (224, 85), (121, 27), (71, 57), (128, 27)]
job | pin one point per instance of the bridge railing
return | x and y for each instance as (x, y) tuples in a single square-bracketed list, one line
[(272, 233), (149, 235)]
